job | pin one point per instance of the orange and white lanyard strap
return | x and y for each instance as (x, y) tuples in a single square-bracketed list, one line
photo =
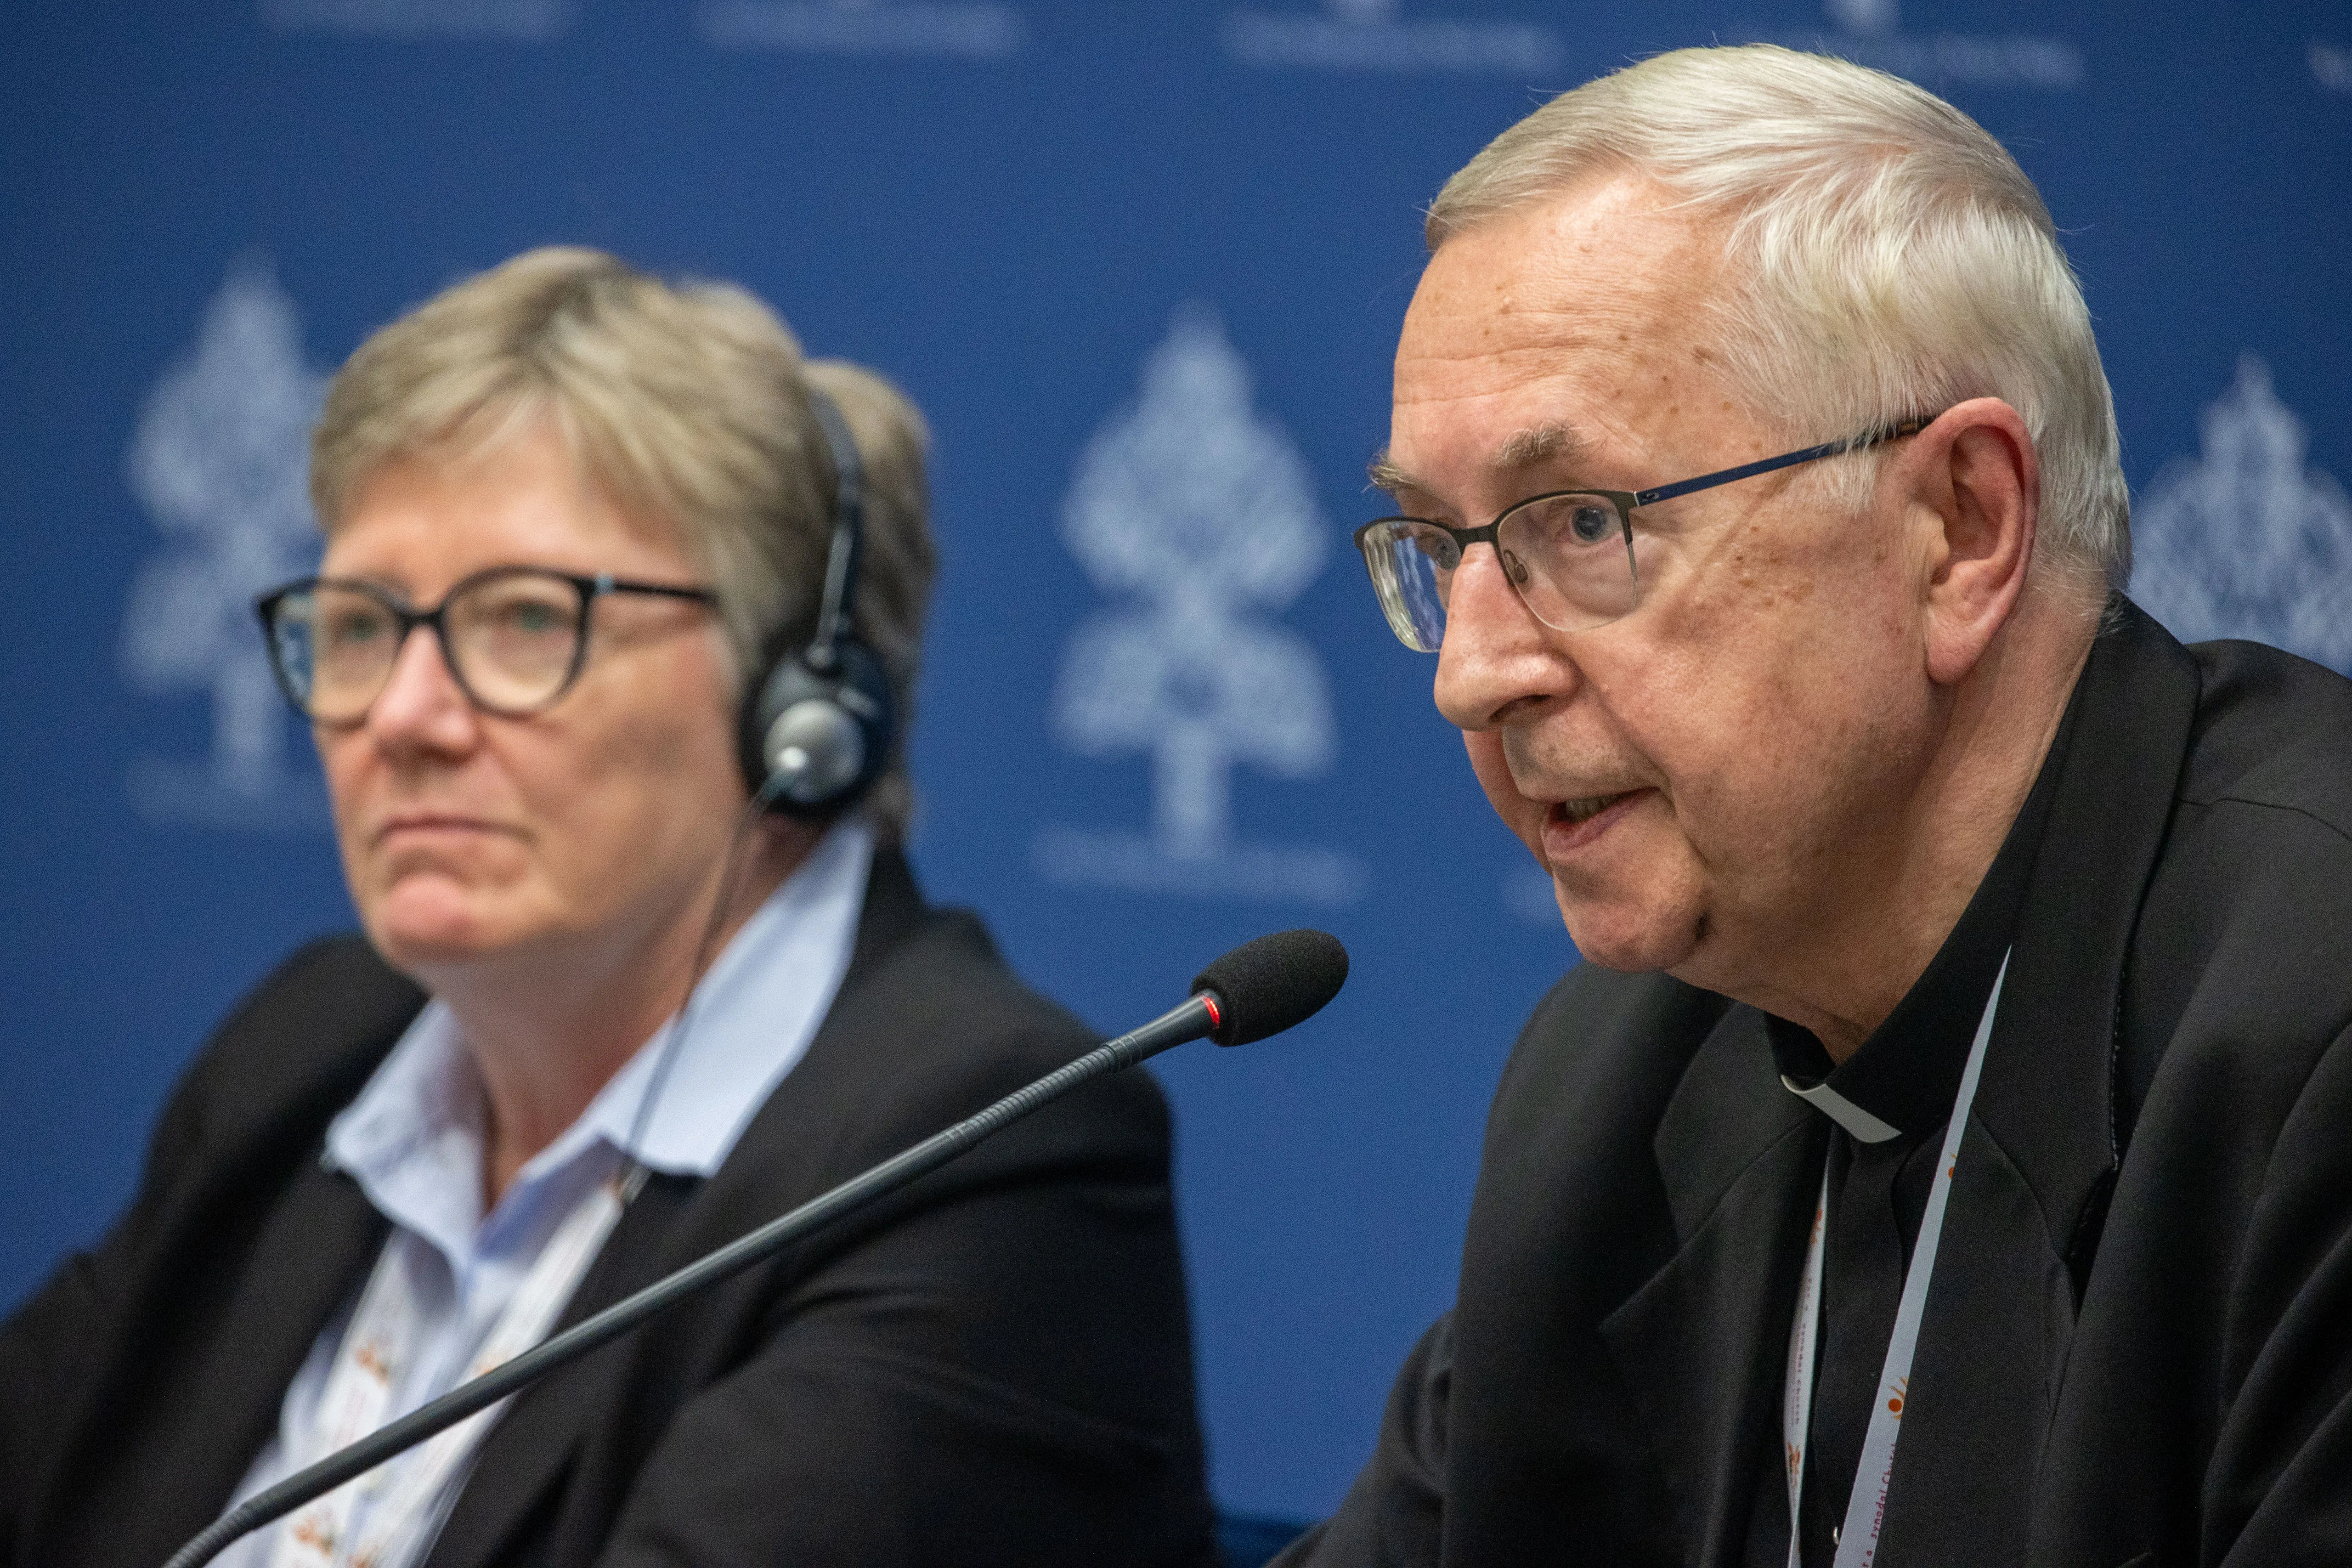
[(1865, 1510)]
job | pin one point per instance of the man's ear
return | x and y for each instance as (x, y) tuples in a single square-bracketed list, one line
[(1973, 486)]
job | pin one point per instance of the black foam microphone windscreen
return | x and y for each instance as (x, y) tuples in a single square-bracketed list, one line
[(1264, 986)]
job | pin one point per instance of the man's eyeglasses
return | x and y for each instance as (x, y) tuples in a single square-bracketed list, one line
[(1569, 553), (514, 637)]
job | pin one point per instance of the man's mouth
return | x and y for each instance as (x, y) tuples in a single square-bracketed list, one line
[(1583, 808)]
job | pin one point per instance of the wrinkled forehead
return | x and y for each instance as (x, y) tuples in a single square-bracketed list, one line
[(1619, 254), (1538, 336)]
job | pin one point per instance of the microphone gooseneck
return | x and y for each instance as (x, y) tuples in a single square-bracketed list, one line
[(1260, 988)]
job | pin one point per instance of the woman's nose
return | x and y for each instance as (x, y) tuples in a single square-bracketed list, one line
[(422, 702)]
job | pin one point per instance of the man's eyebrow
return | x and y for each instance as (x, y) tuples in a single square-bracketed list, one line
[(1538, 444), (1522, 449), (1387, 476)]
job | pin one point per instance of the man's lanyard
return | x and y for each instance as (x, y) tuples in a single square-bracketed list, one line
[(405, 1497), (1866, 1509)]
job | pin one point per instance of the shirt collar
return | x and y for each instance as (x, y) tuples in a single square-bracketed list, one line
[(750, 1020), (1903, 1078), (413, 1137)]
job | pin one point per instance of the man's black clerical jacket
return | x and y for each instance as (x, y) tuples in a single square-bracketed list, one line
[(991, 1368), (2137, 1348)]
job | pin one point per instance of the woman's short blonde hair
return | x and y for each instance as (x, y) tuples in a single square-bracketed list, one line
[(1888, 258), (689, 405)]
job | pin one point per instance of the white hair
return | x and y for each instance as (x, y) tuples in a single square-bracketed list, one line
[(1888, 258)]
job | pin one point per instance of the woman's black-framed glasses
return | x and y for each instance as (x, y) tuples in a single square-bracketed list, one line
[(1569, 553), (514, 637)]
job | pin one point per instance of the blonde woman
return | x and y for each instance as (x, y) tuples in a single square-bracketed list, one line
[(569, 510)]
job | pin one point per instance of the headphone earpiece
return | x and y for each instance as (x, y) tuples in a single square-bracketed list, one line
[(817, 725), (818, 741)]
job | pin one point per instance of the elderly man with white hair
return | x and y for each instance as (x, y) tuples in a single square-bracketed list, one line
[(1946, 1154)]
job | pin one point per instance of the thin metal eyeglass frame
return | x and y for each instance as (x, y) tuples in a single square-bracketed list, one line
[(589, 588), (1626, 501)]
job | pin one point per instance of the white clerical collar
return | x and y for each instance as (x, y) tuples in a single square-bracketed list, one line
[(1864, 1127)]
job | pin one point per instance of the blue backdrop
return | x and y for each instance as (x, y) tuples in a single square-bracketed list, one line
[(1143, 266)]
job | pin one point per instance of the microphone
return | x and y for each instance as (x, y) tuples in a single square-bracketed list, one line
[(1260, 988), (1272, 984)]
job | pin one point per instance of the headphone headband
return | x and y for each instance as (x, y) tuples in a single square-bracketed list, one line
[(848, 548), (817, 724)]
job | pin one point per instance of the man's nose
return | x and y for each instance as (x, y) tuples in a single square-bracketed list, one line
[(421, 703), (1497, 656)]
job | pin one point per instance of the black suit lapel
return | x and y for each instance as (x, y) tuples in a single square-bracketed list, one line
[(309, 1264), (1992, 1343), (1702, 1343), (2048, 1090), (213, 1413), (257, 1247), (529, 1453), (2042, 1148)]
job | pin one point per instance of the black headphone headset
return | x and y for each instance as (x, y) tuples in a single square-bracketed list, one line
[(817, 724)]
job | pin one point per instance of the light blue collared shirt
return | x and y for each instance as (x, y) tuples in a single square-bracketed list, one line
[(413, 1140)]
